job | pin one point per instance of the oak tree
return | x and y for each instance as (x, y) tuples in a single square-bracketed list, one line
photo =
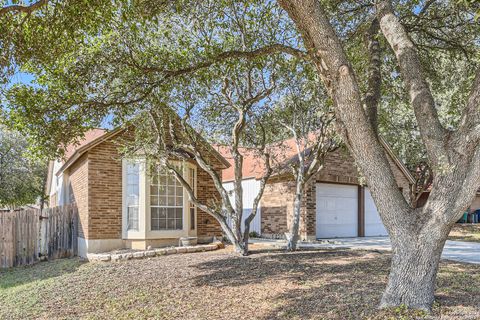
[(359, 49)]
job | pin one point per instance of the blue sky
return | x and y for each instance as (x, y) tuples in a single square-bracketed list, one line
[(21, 77)]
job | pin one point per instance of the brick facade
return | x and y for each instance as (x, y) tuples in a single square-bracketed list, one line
[(277, 200), (277, 205), (207, 226), (105, 192), (78, 185), (95, 181)]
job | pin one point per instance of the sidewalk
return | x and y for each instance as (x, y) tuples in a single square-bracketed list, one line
[(454, 250)]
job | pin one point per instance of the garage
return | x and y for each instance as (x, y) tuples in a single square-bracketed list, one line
[(336, 210), (373, 223)]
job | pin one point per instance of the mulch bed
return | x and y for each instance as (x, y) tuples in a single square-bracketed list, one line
[(323, 284)]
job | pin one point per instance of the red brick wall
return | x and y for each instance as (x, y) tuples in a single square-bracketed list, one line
[(78, 181), (96, 180), (339, 168), (207, 226), (277, 206), (277, 201), (105, 191)]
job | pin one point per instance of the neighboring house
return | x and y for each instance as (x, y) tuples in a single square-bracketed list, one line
[(473, 207), (120, 205), (476, 203), (335, 202)]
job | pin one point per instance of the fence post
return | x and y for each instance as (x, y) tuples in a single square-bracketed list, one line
[(43, 250)]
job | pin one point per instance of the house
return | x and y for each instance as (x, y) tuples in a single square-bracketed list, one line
[(476, 203), (121, 205), (475, 206), (336, 204)]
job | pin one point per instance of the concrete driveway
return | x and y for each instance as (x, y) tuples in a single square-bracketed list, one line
[(453, 250)]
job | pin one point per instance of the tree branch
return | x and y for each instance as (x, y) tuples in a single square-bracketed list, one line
[(262, 148), (373, 94), (470, 119), (432, 131), (16, 8), (191, 193), (233, 54), (339, 78)]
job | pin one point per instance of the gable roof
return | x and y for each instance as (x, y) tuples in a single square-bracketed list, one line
[(97, 136), (89, 136), (252, 167), (70, 151), (91, 139), (285, 152)]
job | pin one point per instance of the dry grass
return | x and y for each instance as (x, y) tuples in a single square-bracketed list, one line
[(465, 232), (219, 285)]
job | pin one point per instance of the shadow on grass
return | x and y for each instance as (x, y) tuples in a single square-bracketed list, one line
[(317, 283), (267, 264), (18, 276), (340, 284)]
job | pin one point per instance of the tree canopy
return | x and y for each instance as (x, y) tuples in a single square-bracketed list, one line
[(406, 70), (107, 59), (22, 179)]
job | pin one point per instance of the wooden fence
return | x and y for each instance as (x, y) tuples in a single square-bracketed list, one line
[(29, 236)]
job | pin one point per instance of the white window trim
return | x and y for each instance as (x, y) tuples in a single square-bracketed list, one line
[(195, 181), (187, 197), (185, 231), (144, 212), (140, 233)]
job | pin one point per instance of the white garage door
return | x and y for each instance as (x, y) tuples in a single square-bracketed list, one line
[(373, 223), (337, 213)]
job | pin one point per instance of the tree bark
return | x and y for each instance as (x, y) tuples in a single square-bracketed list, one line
[(421, 98), (418, 235), (373, 94), (237, 243), (297, 210), (414, 268), (246, 236)]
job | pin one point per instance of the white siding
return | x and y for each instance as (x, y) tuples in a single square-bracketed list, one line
[(250, 191), (373, 222), (59, 186)]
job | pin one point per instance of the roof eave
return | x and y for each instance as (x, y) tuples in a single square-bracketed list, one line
[(397, 161), (80, 151)]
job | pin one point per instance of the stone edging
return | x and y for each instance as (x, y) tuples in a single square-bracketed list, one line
[(105, 257)]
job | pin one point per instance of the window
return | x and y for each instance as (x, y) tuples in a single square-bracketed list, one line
[(133, 194), (191, 205), (166, 202)]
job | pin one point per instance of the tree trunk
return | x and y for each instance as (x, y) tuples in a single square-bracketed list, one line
[(246, 237), (237, 243), (418, 236), (414, 268), (297, 210)]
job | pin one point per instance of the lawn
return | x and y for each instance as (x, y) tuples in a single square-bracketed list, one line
[(465, 232), (219, 285)]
